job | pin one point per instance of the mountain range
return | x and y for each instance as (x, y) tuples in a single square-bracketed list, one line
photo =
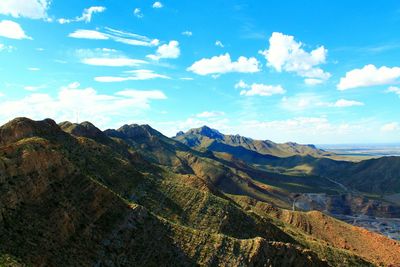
[(73, 195)]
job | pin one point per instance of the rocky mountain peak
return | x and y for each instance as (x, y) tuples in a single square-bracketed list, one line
[(208, 132), (134, 131), (21, 128)]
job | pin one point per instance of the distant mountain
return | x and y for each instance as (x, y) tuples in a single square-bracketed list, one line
[(72, 195), (368, 176), (207, 138)]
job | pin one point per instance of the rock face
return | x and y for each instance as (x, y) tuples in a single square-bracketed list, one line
[(71, 195)]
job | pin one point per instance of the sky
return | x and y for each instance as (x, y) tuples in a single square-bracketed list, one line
[(308, 71)]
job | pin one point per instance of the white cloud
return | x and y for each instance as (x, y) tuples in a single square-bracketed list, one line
[(133, 75), (259, 89), (87, 103), (157, 5), (304, 101), (117, 36), (186, 78), (369, 75), (12, 30), (106, 57), (286, 54), (300, 102), (2, 94), (223, 64), (33, 69), (170, 50), (187, 33), (311, 81), (341, 103), (390, 127), (219, 43), (86, 15), (241, 84), (33, 9), (152, 94), (113, 62), (138, 13), (33, 88), (210, 114), (6, 48), (299, 129), (394, 89), (88, 34)]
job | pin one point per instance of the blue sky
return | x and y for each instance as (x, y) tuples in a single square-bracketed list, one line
[(320, 72)]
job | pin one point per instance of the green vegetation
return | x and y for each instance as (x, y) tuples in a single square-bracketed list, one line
[(81, 197)]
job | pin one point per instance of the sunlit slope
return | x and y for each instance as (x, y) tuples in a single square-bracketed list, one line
[(82, 197)]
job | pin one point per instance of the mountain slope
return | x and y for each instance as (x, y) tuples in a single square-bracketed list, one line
[(67, 199), (368, 176)]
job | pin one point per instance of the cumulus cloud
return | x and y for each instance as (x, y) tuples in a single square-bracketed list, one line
[(33, 9), (223, 64), (133, 75), (259, 89), (170, 50), (369, 75), (210, 114), (86, 15), (390, 127), (12, 30), (106, 57), (157, 5), (115, 35), (219, 43), (138, 13), (187, 33), (286, 54), (87, 102)]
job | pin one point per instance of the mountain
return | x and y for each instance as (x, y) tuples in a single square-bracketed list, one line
[(72, 195), (207, 138), (367, 177)]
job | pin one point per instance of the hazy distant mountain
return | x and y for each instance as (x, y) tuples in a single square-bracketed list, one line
[(72, 195), (207, 138)]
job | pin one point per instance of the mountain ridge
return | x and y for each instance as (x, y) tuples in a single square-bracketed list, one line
[(145, 197), (204, 136)]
